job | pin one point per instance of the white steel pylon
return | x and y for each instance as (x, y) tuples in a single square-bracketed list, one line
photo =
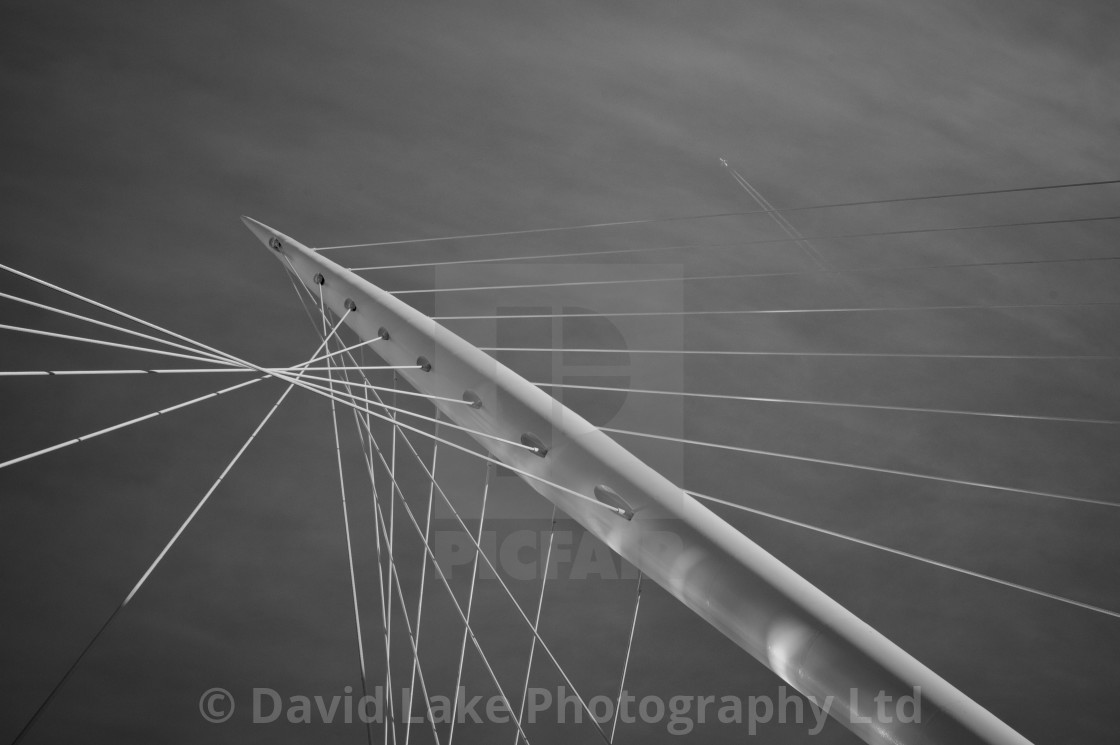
[(781, 619)]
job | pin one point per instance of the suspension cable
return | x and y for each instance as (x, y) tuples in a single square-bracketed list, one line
[(408, 629), (63, 373), (750, 353), (434, 420), (404, 608), (341, 368), (346, 349), (385, 581), (758, 242), (477, 544), (391, 418), (368, 457), (772, 311), (346, 528), (536, 622), (367, 454), (117, 345), (420, 394), (753, 275), (423, 578), (151, 568), (112, 326), (122, 425), (491, 567), (626, 660), (145, 417), (752, 451), (338, 368), (479, 552), (908, 555), (804, 208), (447, 585), (489, 459), (875, 469), (391, 539), (204, 348), (395, 491), (229, 357), (470, 604), (837, 404)]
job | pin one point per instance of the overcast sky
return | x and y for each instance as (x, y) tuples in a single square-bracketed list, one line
[(135, 134)]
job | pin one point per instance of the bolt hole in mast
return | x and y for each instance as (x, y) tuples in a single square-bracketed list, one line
[(535, 444), (472, 399), (610, 497)]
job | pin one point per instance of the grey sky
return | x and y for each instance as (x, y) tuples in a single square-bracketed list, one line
[(134, 134)]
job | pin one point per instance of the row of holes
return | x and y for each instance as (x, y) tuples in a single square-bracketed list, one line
[(603, 493)]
